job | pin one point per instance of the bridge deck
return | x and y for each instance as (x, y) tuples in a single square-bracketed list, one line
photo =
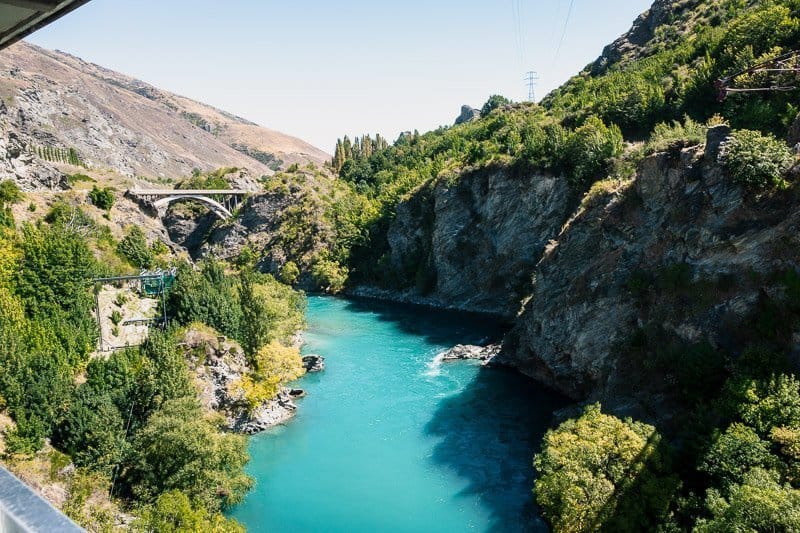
[(197, 192)]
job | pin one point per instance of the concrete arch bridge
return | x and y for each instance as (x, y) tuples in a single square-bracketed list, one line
[(222, 202)]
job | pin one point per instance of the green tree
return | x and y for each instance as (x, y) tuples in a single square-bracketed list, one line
[(179, 450), (602, 472), (754, 160), (93, 431), (759, 503), (174, 512), (134, 248), (734, 453), (493, 103), (255, 328), (9, 193)]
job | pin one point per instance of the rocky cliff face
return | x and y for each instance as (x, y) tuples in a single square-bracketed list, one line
[(473, 244), (631, 45), (17, 161), (679, 250), (678, 254)]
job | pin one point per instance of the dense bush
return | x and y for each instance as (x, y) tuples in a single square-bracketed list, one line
[(329, 275), (134, 248), (174, 512), (493, 103), (213, 296), (102, 198), (273, 365), (602, 473), (178, 449), (756, 161)]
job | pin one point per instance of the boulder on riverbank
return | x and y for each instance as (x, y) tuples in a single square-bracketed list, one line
[(462, 352), (314, 363), (219, 365), (269, 414)]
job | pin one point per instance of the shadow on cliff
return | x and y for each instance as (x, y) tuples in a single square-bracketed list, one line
[(486, 447), (436, 326)]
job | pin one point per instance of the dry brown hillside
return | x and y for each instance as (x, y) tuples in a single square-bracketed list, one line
[(117, 122)]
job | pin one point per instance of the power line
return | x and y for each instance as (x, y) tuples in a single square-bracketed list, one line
[(564, 32), (516, 20)]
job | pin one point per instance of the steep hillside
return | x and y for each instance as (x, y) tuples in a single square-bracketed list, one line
[(113, 121), (642, 235)]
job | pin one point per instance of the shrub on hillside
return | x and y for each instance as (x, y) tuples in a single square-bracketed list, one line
[(101, 198), (134, 248), (493, 103), (754, 160), (676, 134)]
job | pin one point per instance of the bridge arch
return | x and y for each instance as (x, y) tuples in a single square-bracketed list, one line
[(221, 202), (217, 208)]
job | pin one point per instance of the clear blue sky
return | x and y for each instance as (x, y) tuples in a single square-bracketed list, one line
[(321, 69)]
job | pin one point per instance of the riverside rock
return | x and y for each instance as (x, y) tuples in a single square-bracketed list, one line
[(218, 364), (314, 363), (467, 352)]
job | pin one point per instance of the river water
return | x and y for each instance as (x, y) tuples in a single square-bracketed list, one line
[(390, 439)]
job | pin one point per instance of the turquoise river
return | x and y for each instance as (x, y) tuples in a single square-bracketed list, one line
[(390, 439)]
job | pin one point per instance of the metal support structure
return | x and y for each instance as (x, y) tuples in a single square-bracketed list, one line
[(782, 75), (162, 288), (531, 78)]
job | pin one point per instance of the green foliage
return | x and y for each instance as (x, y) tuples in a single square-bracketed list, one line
[(72, 179), (177, 449), (9, 193), (209, 296), (289, 273), (254, 329), (734, 453), (211, 180), (273, 365), (599, 472), (493, 103), (102, 198), (329, 276), (93, 431), (134, 248), (759, 503), (174, 512), (667, 136), (214, 297), (756, 161)]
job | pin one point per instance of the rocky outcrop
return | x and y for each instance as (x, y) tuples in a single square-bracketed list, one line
[(219, 363), (17, 160), (682, 219), (474, 243), (188, 226), (267, 415), (313, 363), (468, 114), (462, 352), (632, 43)]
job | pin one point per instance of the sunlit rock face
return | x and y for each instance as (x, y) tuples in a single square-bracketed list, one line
[(682, 219)]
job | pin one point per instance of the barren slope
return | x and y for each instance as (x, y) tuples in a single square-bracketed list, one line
[(117, 122)]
